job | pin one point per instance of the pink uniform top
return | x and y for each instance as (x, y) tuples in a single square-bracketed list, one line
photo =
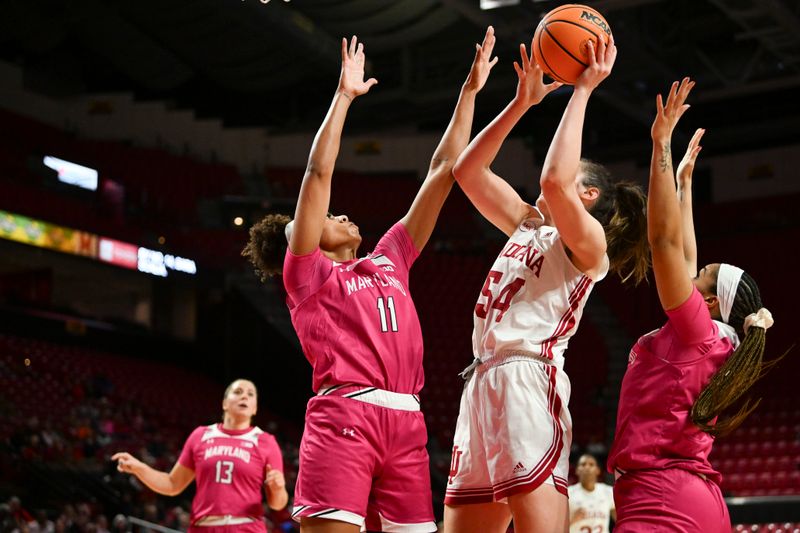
[(355, 320), (667, 370), (229, 469)]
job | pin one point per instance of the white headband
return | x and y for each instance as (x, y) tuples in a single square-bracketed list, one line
[(288, 230), (727, 284)]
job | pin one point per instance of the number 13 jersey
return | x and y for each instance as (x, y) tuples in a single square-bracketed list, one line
[(533, 298), (229, 469)]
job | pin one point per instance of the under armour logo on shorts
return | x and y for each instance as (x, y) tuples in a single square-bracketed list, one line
[(348, 432)]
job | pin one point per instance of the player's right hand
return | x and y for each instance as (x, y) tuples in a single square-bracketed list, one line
[(351, 79), (668, 115), (483, 62), (126, 462)]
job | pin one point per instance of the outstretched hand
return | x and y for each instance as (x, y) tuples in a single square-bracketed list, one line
[(686, 166), (126, 462), (667, 116), (482, 65), (351, 79), (601, 61), (531, 88)]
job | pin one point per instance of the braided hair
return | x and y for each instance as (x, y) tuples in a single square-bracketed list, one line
[(741, 370)]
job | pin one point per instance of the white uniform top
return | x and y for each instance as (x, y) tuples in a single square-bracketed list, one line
[(596, 505), (532, 300)]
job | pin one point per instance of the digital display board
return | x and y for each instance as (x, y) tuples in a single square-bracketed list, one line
[(46, 235), (42, 234), (72, 173)]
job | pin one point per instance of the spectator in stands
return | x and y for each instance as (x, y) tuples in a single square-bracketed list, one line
[(19, 515), (597, 448), (120, 524), (7, 522), (363, 458), (102, 524), (42, 524), (512, 440), (232, 463), (682, 377), (591, 502)]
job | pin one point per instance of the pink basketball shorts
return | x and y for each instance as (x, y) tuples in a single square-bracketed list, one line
[(363, 461)]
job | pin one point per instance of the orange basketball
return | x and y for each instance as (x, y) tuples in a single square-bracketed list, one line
[(560, 42)]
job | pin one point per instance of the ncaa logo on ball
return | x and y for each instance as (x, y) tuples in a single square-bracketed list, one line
[(597, 21)]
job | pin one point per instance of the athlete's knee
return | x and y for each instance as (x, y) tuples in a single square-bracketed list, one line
[(477, 518), (323, 525)]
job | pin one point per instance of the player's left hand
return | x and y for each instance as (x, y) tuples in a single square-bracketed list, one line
[(601, 61), (275, 480), (481, 65), (686, 166), (531, 88)]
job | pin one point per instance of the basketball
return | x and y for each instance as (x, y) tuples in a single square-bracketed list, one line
[(560, 44)]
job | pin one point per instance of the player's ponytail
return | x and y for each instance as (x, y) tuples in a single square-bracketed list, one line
[(620, 208), (267, 245), (742, 369)]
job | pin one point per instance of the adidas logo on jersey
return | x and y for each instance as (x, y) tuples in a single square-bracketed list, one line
[(519, 468)]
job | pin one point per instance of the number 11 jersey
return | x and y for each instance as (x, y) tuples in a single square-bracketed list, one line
[(355, 320)]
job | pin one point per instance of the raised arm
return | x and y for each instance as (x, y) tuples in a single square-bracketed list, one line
[(315, 192), (579, 230), (492, 195), (168, 484), (664, 219), (684, 179), (421, 217)]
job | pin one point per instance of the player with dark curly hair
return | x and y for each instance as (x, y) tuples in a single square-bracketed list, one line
[(266, 248), (362, 459)]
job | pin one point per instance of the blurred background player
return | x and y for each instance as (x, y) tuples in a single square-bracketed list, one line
[(681, 377), (514, 430), (591, 502), (232, 463), (363, 458)]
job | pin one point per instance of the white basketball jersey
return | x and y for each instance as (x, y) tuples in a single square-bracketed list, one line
[(596, 506), (533, 298)]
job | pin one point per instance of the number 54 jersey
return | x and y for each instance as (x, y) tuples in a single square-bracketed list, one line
[(356, 320), (229, 469), (532, 299)]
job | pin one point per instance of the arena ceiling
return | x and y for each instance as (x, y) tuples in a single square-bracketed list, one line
[(275, 64)]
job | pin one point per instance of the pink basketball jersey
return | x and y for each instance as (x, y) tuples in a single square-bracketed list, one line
[(532, 299), (230, 469), (355, 320), (667, 369)]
